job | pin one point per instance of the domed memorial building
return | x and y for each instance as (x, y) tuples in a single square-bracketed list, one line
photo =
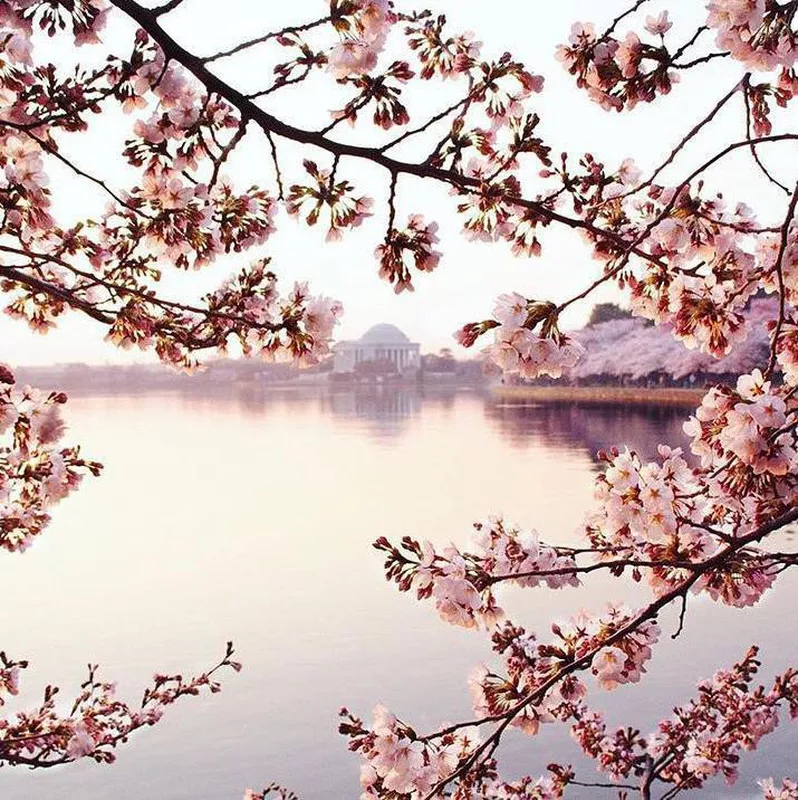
[(382, 345)]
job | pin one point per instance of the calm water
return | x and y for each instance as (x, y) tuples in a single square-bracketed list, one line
[(247, 515)]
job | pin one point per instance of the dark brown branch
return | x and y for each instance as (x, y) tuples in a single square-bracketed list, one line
[(166, 7), (690, 42), (615, 786), (391, 206), (281, 83), (13, 274), (702, 60), (682, 612), (577, 570)]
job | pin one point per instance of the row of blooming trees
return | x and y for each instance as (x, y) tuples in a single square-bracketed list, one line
[(704, 524), (635, 349)]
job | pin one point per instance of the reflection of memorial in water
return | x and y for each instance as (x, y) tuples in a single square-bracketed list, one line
[(385, 410), (566, 425)]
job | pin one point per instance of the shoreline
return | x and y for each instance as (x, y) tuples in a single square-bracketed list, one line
[(603, 395)]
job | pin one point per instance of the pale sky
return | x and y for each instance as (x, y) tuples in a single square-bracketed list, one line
[(470, 275)]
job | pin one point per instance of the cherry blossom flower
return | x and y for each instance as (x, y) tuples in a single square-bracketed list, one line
[(658, 25)]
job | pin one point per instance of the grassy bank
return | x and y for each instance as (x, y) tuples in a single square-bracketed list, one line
[(603, 395)]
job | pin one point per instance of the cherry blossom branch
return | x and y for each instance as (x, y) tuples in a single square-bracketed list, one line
[(633, 247), (754, 153), (580, 663), (588, 568), (51, 290), (97, 722), (271, 124), (779, 270)]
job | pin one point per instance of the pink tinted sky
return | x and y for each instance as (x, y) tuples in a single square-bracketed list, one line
[(471, 275)]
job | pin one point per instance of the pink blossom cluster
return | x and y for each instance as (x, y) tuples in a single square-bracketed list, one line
[(24, 184), (619, 73), (529, 664), (757, 32), (710, 276), (702, 739), (440, 53), (664, 519), (326, 194), (460, 583), (747, 425), (398, 762), (87, 19), (500, 87), (533, 666), (779, 261), (786, 346), (409, 247), (383, 91), (518, 349), (771, 791), (96, 722), (640, 504), (614, 659), (363, 40), (35, 472), (182, 212)]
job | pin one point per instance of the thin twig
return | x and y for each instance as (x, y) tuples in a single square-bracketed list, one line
[(681, 618), (166, 7), (754, 154), (273, 146), (265, 38), (779, 268)]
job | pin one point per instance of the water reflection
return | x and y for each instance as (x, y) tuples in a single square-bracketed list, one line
[(383, 411), (642, 428), (247, 514)]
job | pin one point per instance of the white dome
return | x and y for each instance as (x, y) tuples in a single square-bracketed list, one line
[(384, 334)]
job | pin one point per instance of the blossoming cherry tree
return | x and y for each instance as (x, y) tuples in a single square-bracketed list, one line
[(703, 523)]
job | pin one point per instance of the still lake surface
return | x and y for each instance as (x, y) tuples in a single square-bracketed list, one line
[(248, 515)]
